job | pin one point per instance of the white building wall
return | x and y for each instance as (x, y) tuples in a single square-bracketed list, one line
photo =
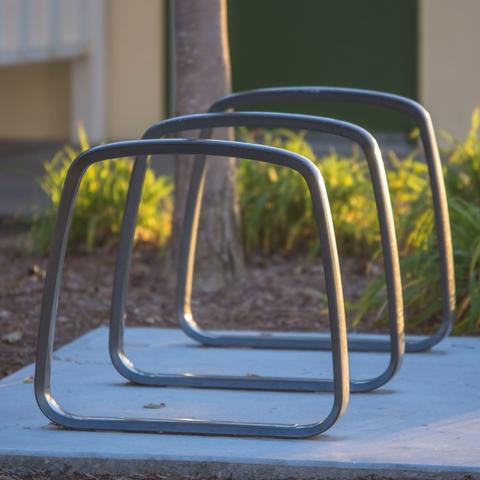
[(42, 30), (136, 75), (98, 62), (102, 62), (449, 83)]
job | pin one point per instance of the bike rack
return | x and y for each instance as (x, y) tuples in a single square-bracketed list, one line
[(48, 316), (207, 122), (423, 121)]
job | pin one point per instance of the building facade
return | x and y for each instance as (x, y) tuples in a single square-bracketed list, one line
[(96, 62), (104, 62)]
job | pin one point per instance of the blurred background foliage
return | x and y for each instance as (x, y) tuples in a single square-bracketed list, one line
[(277, 216), (100, 202)]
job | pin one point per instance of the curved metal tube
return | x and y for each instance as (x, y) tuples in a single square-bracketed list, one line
[(186, 264), (47, 403), (423, 121)]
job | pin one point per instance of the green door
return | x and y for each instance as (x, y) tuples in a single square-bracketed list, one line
[(354, 43)]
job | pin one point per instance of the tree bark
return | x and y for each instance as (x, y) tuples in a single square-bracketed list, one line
[(202, 75)]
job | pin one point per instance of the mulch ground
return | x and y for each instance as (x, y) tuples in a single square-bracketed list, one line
[(276, 294)]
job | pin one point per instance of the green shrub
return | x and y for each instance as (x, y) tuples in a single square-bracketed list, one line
[(277, 217), (100, 202), (276, 214), (462, 175), (410, 194), (276, 207), (419, 267), (421, 276)]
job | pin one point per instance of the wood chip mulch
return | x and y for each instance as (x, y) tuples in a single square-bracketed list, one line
[(276, 294)]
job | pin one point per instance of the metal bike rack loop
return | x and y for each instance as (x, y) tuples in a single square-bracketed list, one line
[(185, 274), (140, 149), (421, 117), (423, 121)]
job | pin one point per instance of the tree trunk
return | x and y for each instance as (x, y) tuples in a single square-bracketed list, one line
[(202, 75)]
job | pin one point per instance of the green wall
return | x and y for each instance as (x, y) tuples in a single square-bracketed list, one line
[(357, 43)]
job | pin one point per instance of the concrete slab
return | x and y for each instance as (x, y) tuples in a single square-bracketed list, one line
[(424, 424)]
